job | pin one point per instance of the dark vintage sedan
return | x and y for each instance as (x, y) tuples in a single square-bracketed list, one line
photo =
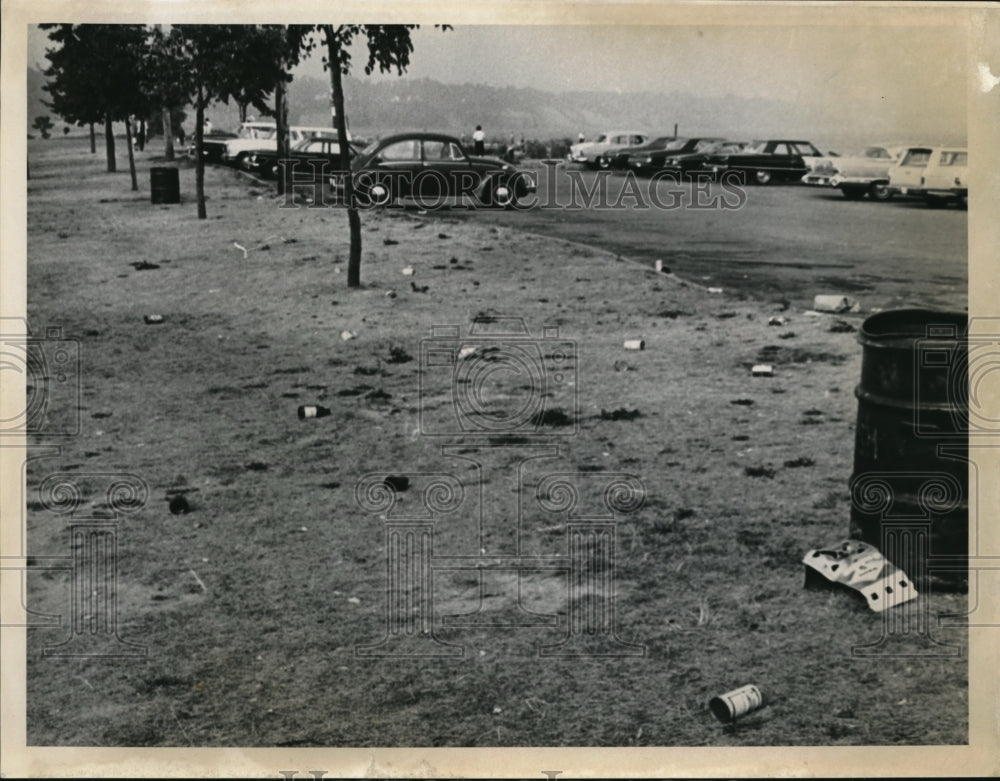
[(767, 161), (310, 159), (618, 157), (682, 155), (431, 167), (212, 145)]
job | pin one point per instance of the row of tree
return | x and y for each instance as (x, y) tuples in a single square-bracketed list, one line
[(103, 73)]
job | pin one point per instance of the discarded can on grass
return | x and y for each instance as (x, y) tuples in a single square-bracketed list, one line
[(739, 702), (153, 319), (762, 370), (635, 344), (313, 411), (659, 266), (832, 303)]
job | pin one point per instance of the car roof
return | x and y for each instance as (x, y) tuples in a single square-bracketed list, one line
[(420, 135)]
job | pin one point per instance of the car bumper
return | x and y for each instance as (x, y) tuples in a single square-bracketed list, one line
[(946, 192), (907, 191), (853, 181), (818, 179)]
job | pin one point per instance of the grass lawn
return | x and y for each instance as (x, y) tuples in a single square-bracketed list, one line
[(252, 605)]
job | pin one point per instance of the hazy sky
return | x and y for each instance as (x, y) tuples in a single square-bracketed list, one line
[(904, 65), (887, 68)]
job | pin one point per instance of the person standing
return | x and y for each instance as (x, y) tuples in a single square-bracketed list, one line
[(479, 140)]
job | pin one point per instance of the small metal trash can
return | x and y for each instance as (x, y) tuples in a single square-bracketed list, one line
[(165, 184)]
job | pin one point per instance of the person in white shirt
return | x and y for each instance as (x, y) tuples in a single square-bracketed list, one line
[(479, 139)]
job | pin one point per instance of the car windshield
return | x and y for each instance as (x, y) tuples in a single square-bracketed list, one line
[(917, 157), (877, 152), (258, 132), (676, 144), (370, 148), (601, 139), (757, 146), (804, 148), (660, 143)]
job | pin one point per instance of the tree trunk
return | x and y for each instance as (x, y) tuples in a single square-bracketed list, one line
[(243, 112), (109, 144), (142, 135), (199, 163), (93, 140), (131, 155), (353, 218), (281, 116), (168, 132)]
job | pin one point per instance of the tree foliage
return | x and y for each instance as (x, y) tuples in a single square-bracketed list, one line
[(94, 74), (43, 125)]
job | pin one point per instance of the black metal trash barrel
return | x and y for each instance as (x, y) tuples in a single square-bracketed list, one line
[(909, 490), (165, 184)]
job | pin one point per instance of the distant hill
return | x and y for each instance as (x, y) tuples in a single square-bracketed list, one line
[(383, 107)]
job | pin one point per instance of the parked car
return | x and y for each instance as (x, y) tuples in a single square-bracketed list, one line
[(686, 155), (618, 157), (945, 179), (588, 152), (906, 176), (305, 153), (433, 166), (857, 175), (635, 156), (238, 151), (212, 145), (767, 161)]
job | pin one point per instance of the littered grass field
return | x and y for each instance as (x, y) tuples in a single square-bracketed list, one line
[(252, 605)]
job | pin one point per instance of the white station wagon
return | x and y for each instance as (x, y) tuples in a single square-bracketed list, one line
[(935, 173)]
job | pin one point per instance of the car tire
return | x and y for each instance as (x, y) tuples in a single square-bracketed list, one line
[(853, 193), (380, 194), (603, 163), (762, 177), (498, 195), (934, 202), (879, 191), (243, 161)]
